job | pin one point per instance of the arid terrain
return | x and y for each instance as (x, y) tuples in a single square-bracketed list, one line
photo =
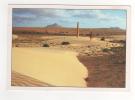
[(67, 60), (57, 30)]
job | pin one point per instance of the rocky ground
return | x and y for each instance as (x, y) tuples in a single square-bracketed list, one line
[(103, 57)]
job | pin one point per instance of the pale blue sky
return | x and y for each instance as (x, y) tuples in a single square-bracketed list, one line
[(41, 17)]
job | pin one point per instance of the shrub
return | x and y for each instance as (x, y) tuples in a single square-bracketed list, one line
[(65, 43), (16, 45), (46, 45), (105, 50), (103, 39)]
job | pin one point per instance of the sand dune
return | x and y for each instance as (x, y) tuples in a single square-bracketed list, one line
[(55, 67), (23, 80)]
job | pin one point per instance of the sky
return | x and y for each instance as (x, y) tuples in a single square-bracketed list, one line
[(87, 18)]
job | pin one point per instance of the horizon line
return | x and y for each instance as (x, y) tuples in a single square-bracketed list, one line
[(64, 27)]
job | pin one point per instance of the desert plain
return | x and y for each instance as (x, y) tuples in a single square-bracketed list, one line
[(56, 56)]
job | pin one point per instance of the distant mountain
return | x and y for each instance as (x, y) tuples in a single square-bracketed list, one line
[(55, 25), (117, 28)]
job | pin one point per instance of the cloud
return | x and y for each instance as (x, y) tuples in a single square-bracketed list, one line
[(36, 12), (29, 14), (94, 15), (85, 15), (108, 17), (44, 16), (33, 13)]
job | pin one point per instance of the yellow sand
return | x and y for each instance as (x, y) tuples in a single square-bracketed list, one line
[(14, 37), (56, 67)]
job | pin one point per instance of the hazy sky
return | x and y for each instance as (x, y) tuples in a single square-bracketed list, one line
[(40, 17)]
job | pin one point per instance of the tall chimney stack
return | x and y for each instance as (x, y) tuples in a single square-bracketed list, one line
[(77, 29)]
